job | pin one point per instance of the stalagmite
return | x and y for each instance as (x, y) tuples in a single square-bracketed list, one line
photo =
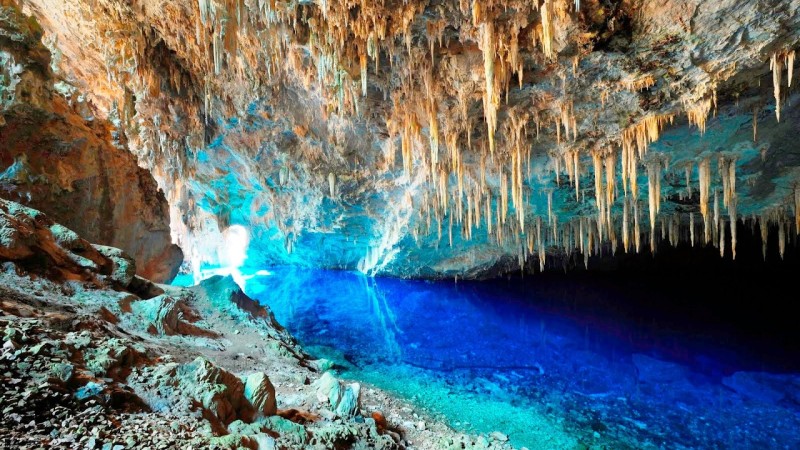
[(691, 228)]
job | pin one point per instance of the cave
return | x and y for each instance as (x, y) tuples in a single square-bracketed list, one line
[(399, 224)]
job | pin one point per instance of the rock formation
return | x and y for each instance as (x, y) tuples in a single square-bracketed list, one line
[(58, 156), (490, 132), (446, 138)]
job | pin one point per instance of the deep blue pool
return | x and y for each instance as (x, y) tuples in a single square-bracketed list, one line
[(556, 366)]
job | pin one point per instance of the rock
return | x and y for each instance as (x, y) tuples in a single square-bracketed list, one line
[(347, 406), (168, 316), (62, 371), (217, 390), (324, 385), (26, 232), (765, 387), (144, 288), (264, 441), (343, 399), (261, 393), (91, 389), (498, 436), (74, 169), (123, 267), (655, 371), (161, 313)]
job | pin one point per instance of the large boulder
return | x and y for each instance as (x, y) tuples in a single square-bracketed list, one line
[(261, 393), (342, 398), (31, 240), (123, 266)]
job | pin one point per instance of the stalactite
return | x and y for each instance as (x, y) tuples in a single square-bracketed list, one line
[(625, 221), (764, 228), (790, 65), (755, 125), (776, 65), (639, 84), (733, 222), (637, 233), (698, 114), (688, 173), (653, 192), (797, 209), (490, 102), (547, 28), (716, 214), (332, 184), (363, 61), (704, 173)]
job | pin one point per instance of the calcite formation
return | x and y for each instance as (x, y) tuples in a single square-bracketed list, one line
[(446, 137)]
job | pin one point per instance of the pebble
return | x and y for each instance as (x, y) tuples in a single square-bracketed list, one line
[(498, 436)]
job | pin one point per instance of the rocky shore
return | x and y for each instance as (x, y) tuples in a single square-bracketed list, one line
[(96, 357)]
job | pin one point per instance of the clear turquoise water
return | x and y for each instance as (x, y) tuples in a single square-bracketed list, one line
[(538, 364)]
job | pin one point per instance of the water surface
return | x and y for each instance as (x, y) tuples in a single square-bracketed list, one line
[(551, 365)]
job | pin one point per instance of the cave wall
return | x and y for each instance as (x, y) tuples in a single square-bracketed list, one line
[(58, 156)]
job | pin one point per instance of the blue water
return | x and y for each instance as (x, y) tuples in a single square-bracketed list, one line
[(536, 364)]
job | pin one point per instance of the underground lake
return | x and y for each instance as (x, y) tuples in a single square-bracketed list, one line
[(626, 360)]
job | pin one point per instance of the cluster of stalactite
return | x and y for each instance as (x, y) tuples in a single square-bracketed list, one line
[(473, 148), (618, 225), (481, 179)]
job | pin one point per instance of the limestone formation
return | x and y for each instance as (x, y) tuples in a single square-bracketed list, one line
[(58, 156), (459, 126)]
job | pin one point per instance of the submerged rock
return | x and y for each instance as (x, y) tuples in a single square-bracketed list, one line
[(765, 387), (655, 371)]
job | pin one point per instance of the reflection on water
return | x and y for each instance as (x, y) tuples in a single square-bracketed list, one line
[(497, 357)]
